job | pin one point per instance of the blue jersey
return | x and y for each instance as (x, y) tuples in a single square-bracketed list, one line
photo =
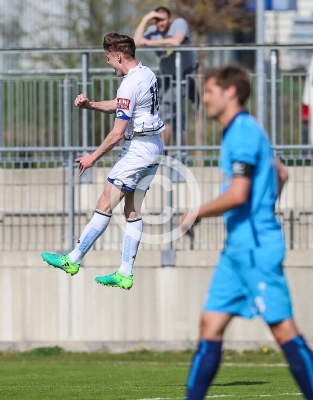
[(253, 223)]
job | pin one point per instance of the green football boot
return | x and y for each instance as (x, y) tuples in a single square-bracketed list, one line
[(61, 261), (116, 280)]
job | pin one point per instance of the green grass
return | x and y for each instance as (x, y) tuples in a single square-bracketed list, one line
[(50, 373)]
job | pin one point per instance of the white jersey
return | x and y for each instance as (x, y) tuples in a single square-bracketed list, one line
[(138, 102)]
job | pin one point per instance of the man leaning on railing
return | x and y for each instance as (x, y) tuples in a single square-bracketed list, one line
[(169, 32)]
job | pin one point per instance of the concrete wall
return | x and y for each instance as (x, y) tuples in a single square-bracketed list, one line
[(42, 306), (46, 186)]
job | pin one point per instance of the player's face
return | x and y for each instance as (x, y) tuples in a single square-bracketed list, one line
[(163, 23), (215, 99), (113, 60)]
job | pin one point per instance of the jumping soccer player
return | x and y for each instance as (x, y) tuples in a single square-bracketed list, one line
[(249, 278), (137, 120)]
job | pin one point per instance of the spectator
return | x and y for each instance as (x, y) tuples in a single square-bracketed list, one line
[(169, 32)]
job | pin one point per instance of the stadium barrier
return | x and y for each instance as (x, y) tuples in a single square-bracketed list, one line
[(44, 206), (38, 102), (42, 132)]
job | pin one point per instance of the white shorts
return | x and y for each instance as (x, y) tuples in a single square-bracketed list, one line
[(137, 164)]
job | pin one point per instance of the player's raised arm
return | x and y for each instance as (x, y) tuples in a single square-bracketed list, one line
[(106, 106), (139, 32)]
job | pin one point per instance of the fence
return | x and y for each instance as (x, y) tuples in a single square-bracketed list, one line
[(44, 205)]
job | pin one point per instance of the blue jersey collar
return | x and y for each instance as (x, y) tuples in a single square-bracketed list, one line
[(244, 111)]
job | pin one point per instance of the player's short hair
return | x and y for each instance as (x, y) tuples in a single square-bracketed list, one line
[(163, 10), (232, 75), (113, 42)]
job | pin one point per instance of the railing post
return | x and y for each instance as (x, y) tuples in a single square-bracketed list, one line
[(85, 75), (260, 70), (291, 229), (71, 216), (71, 205), (69, 162), (178, 110), (274, 97), (66, 114), (169, 201), (168, 255), (1, 118)]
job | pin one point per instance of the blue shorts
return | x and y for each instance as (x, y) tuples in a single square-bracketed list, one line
[(251, 283)]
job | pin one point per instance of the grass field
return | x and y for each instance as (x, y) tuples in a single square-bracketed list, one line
[(53, 374)]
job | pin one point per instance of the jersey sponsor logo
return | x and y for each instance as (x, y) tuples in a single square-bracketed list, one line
[(123, 104), (121, 115)]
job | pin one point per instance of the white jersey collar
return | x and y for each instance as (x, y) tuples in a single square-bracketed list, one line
[(130, 71)]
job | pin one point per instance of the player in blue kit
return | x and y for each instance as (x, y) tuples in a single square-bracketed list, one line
[(249, 279)]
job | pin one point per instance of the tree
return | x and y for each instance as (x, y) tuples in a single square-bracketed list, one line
[(69, 23), (211, 16), (205, 16)]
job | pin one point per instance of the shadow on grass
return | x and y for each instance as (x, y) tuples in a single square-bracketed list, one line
[(241, 383)]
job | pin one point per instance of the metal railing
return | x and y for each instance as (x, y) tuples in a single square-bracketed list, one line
[(45, 206), (35, 101)]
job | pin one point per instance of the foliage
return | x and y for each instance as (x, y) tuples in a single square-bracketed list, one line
[(44, 351), (258, 356), (205, 16), (84, 24), (66, 24)]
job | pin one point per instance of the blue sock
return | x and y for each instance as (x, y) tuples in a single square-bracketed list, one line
[(300, 360), (203, 368)]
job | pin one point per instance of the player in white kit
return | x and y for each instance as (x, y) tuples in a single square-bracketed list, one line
[(137, 120)]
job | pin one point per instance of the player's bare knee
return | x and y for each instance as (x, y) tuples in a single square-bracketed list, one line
[(211, 327), (204, 326), (284, 331)]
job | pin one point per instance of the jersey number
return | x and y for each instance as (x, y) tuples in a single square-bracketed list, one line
[(155, 99)]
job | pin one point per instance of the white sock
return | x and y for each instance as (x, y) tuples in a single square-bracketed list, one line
[(94, 229), (131, 242)]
